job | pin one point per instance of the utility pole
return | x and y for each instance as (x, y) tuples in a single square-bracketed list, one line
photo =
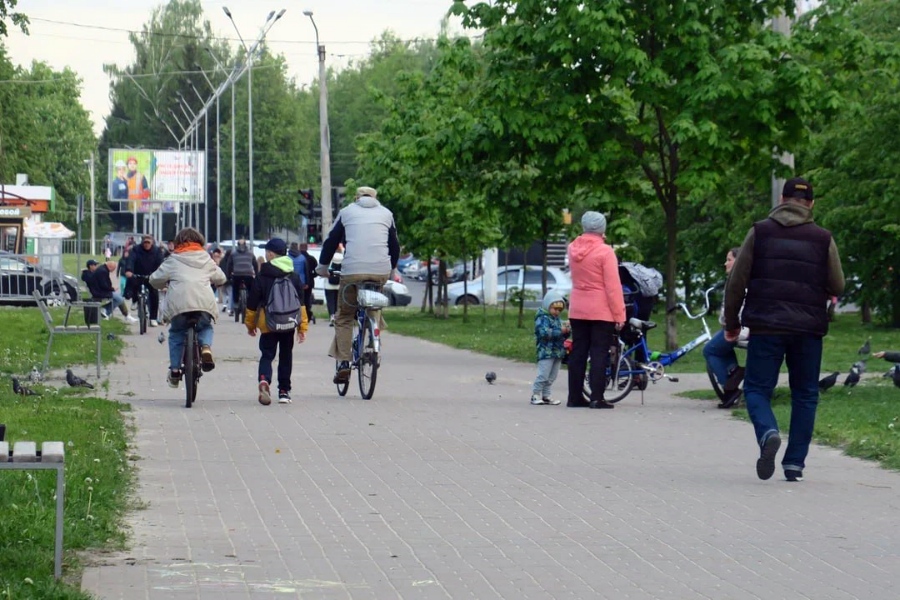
[(324, 136), (90, 163)]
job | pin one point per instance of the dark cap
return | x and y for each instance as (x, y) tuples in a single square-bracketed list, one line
[(92, 263), (797, 187), (277, 246)]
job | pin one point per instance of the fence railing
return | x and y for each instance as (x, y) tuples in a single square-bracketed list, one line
[(23, 274), (72, 246)]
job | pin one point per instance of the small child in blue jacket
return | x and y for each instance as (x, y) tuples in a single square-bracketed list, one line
[(549, 334)]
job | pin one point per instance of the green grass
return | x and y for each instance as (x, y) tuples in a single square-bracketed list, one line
[(863, 421), (97, 474)]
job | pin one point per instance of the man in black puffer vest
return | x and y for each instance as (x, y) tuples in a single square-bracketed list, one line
[(787, 269)]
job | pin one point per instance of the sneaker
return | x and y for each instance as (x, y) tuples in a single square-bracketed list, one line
[(537, 401), (765, 465), (130, 319), (734, 379), (230, 313), (284, 397), (174, 378), (154, 323), (206, 359), (793, 475), (551, 401), (343, 373), (104, 315), (731, 398), (264, 397)]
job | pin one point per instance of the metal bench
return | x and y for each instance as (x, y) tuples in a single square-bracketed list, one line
[(67, 327), (25, 456)]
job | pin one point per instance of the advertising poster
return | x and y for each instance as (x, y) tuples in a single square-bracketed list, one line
[(145, 181)]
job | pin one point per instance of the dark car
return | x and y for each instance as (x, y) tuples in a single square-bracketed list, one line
[(19, 278)]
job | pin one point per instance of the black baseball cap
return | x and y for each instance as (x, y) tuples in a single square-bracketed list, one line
[(797, 187), (92, 262)]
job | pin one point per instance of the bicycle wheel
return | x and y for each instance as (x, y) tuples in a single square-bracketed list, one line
[(341, 387), (187, 369), (143, 317), (716, 386), (368, 362), (618, 384), (242, 305)]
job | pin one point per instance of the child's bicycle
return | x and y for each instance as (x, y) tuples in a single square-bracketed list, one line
[(634, 364), (366, 356), (191, 368)]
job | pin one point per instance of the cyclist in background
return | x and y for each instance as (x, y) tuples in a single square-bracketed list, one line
[(719, 352), (241, 267), (144, 259), (189, 273), (371, 251)]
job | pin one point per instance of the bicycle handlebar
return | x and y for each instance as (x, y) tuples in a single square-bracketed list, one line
[(687, 312)]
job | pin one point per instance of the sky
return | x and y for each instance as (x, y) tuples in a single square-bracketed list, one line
[(86, 34)]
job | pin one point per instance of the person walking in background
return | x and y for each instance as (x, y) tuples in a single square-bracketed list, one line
[(719, 353), (188, 274), (549, 334), (332, 283), (278, 271), (371, 251), (302, 270), (785, 272), (241, 269), (311, 264), (144, 260), (596, 309)]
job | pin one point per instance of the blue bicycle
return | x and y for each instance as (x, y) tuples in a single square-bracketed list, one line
[(366, 350), (634, 364)]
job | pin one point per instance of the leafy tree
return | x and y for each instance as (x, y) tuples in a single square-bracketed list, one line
[(683, 92), (18, 19)]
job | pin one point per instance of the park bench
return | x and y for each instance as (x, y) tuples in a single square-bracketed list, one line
[(67, 327), (26, 456)]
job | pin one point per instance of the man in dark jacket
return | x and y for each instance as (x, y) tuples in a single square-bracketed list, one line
[(785, 272), (99, 283), (241, 267), (311, 264), (144, 259), (270, 341)]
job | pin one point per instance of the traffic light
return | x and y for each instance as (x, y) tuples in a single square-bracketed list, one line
[(305, 201)]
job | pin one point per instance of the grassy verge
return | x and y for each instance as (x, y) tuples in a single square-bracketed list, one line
[(863, 421), (97, 474)]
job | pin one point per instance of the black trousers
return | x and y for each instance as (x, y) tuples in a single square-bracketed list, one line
[(281, 342), (134, 290), (590, 339)]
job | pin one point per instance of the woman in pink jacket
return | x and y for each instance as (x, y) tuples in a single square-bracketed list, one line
[(596, 309)]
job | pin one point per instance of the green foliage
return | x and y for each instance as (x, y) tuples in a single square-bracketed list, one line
[(18, 19)]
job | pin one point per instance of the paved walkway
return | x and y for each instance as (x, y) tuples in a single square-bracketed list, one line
[(443, 486)]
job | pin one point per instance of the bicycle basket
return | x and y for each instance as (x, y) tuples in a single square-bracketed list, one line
[(372, 299)]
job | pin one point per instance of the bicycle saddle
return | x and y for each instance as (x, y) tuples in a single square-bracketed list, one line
[(642, 325)]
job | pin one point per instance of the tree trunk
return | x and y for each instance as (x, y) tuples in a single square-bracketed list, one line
[(671, 211), (865, 312)]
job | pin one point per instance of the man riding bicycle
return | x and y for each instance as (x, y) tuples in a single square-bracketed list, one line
[(371, 251), (241, 268), (143, 260)]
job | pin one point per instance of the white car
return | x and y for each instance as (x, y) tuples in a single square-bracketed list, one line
[(527, 277)]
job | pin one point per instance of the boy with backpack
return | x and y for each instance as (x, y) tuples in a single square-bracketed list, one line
[(275, 307)]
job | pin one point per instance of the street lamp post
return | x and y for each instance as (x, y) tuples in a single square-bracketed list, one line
[(270, 22), (90, 163), (324, 137)]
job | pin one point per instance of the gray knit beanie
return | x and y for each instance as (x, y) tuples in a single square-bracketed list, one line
[(593, 222)]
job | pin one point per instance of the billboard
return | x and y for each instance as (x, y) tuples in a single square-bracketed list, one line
[(156, 180)]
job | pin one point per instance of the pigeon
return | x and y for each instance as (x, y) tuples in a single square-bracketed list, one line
[(21, 390), (827, 382), (865, 348), (860, 366), (490, 377), (75, 381), (35, 376), (161, 337), (852, 377), (110, 336)]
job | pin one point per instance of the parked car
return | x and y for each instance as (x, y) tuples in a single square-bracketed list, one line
[(398, 293), (19, 278), (527, 277), (405, 261)]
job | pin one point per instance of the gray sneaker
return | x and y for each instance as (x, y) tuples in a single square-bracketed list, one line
[(537, 400), (264, 397)]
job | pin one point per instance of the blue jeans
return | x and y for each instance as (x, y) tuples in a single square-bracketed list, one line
[(177, 333), (720, 356), (548, 369), (765, 354)]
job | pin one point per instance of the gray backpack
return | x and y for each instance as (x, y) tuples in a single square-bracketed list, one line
[(283, 305)]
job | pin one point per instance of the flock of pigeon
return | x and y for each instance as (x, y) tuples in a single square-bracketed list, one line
[(36, 377), (856, 371)]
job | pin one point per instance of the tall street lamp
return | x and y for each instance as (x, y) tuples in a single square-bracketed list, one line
[(270, 21), (324, 137), (90, 163)]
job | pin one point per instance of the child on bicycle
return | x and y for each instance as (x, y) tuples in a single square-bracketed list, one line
[(189, 274), (550, 333)]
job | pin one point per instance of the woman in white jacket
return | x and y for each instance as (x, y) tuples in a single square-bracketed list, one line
[(189, 274)]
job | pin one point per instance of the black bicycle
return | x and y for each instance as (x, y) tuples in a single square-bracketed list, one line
[(143, 301), (240, 310), (190, 359)]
